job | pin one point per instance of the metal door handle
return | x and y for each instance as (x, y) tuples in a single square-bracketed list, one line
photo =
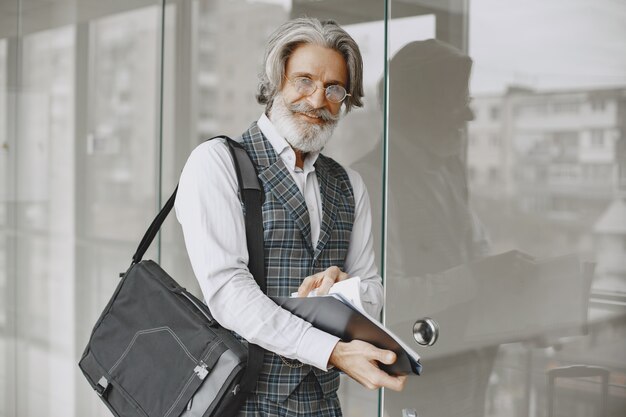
[(426, 331)]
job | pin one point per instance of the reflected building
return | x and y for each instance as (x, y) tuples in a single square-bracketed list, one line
[(227, 79), (610, 229), (556, 155), (547, 158), (554, 152), (120, 151), (610, 243)]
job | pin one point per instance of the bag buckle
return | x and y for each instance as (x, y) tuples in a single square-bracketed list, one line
[(102, 386), (201, 370)]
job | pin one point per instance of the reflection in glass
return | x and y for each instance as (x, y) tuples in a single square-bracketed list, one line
[(120, 144), (4, 133), (509, 235), (44, 214), (432, 228), (357, 134)]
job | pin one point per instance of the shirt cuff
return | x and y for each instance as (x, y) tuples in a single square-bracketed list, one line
[(315, 348)]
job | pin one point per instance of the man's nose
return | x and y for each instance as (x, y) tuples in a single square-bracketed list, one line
[(318, 98)]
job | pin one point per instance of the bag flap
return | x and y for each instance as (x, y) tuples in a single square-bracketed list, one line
[(153, 343)]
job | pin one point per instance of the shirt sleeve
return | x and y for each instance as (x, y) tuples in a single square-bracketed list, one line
[(209, 210), (360, 259)]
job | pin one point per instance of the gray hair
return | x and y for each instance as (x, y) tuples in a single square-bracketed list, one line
[(306, 30)]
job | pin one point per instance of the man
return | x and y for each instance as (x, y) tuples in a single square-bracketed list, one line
[(317, 226)]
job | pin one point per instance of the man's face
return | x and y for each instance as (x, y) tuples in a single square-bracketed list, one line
[(324, 67), (307, 122)]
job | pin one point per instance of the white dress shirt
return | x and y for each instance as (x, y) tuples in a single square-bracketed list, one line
[(209, 210)]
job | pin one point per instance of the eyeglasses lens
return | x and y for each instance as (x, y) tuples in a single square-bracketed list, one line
[(306, 87), (335, 93)]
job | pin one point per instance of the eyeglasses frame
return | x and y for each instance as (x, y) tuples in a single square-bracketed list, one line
[(293, 82)]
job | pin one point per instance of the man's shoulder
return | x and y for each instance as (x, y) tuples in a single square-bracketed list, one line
[(212, 148), (210, 156), (211, 145)]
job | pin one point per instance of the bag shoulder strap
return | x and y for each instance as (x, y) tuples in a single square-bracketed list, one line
[(252, 197)]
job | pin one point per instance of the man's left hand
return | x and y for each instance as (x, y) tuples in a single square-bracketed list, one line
[(322, 281)]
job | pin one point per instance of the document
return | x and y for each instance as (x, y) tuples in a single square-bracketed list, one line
[(341, 314)]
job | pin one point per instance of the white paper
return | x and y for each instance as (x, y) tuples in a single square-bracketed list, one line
[(349, 292)]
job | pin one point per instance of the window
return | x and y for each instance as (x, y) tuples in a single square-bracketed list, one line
[(494, 173), (597, 138), (565, 107), (526, 109), (598, 105), (494, 113)]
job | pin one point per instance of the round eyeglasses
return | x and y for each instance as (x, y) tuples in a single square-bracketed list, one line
[(304, 85)]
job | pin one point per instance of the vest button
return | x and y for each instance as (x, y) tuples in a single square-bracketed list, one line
[(316, 263)]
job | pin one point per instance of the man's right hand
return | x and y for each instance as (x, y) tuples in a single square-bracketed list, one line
[(358, 360)]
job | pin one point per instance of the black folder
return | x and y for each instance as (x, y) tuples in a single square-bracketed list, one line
[(333, 316)]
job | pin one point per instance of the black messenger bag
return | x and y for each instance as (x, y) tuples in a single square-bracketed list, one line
[(156, 349)]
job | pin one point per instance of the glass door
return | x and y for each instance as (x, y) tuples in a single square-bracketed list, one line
[(504, 207)]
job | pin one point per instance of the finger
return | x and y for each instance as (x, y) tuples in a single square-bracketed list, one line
[(334, 271), (307, 286), (338, 274), (384, 356), (396, 383), (382, 379), (324, 288), (319, 275)]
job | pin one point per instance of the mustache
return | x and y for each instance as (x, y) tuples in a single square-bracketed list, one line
[(307, 109)]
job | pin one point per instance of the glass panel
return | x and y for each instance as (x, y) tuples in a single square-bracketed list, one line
[(357, 143), (44, 215), (118, 155), (121, 148), (4, 195), (506, 211), (78, 168), (7, 235)]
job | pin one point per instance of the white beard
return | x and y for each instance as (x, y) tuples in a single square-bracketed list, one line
[(302, 135)]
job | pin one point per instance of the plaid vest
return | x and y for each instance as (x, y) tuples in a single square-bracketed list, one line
[(289, 254)]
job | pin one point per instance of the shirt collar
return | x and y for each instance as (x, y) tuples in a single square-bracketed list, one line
[(282, 147)]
